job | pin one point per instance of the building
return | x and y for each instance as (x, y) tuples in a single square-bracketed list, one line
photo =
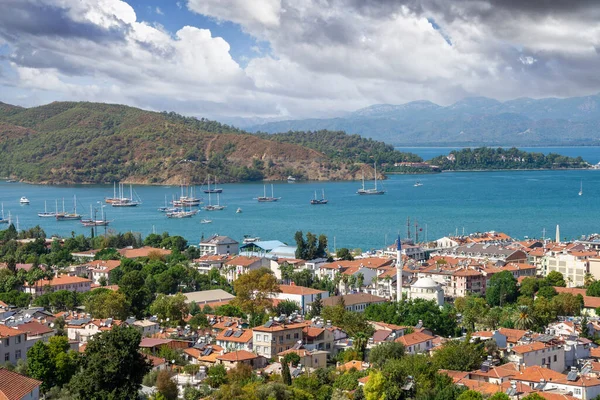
[(145, 251), (35, 332), (308, 358), (208, 297), (13, 345), (299, 294), (416, 342), (233, 339), (274, 337), (573, 265), (427, 289), (14, 386), (231, 360), (219, 245), (81, 330), (146, 327), (357, 302), (318, 337), (60, 282), (242, 265), (551, 356), (101, 269)]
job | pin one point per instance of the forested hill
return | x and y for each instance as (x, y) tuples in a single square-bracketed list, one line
[(80, 142), (340, 146), (485, 158)]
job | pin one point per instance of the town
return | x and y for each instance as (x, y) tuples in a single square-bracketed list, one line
[(464, 317)]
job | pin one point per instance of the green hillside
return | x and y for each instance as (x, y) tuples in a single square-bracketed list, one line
[(80, 142)]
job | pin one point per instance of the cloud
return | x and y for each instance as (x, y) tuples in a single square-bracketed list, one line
[(323, 57), (159, 11)]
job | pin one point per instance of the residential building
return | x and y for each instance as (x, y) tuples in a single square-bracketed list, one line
[(274, 337), (308, 358), (208, 297), (13, 345), (83, 329), (233, 339), (276, 264), (60, 282), (318, 337), (242, 265), (299, 294), (100, 270), (146, 251), (551, 356), (14, 386), (35, 332), (146, 327), (357, 302), (416, 342), (219, 245), (231, 360), (572, 265)]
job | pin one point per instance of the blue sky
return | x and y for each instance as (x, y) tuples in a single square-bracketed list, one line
[(281, 59)]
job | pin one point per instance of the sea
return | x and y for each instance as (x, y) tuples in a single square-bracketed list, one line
[(523, 204)]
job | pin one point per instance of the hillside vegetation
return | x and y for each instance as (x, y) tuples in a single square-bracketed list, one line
[(486, 159), (80, 142)]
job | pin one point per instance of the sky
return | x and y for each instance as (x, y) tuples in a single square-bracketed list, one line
[(286, 59)]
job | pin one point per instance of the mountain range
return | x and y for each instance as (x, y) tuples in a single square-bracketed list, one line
[(473, 121)]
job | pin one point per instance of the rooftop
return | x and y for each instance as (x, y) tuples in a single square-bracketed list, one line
[(208, 296), (14, 386)]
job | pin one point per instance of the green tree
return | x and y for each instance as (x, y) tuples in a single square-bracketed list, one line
[(112, 366), (524, 318), (499, 396), (459, 355), (344, 254), (166, 386), (547, 292), (375, 387), (300, 245), (216, 376), (501, 289), (291, 358), (137, 294), (107, 304), (53, 363), (171, 309), (385, 351), (285, 374), (316, 306), (470, 395), (555, 278), (593, 289), (286, 307), (529, 286), (533, 396), (254, 291), (40, 366)]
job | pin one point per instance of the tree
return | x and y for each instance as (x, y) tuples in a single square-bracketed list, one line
[(285, 374), (529, 286), (300, 245), (593, 289), (53, 363), (254, 291), (286, 307), (216, 376), (470, 395), (547, 292), (385, 351), (40, 366), (501, 289), (533, 396), (170, 308), (137, 294), (291, 358), (459, 355), (375, 387), (524, 318), (112, 366), (499, 396), (316, 306), (166, 386), (107, 304), (344, 254), (555, 278), (473, 309)]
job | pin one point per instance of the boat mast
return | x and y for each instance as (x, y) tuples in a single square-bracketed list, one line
[(130, 192), (114, 189), (363, 180), (272, 192), (375, 164)]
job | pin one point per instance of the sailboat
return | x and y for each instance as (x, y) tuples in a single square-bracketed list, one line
[(96, 222), (214, 207), (113, 199), (265, 199), (374, 190), (125, 201), (322, 200), (46, 213), (581, 188), (4, 220), (417, 184), (215, 189), (63, 216)]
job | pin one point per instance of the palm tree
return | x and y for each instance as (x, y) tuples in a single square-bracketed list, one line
[(360, 343), (524, 319)]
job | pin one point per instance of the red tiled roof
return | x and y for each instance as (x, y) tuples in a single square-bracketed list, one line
[(245, 337), (5, 331), (15, 386), (59, 280), (527, 348), (143, 252), (293, 289), (243, 261), (512, 335), (358, 365), (536, 372), (240, 355), (414, 338), (34, 328)]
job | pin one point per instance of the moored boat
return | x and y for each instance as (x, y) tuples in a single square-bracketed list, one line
[(24, 201), (267, 199), (317, 201)]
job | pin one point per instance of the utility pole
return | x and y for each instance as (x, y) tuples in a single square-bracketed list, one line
[(416, 232), (408, 228)]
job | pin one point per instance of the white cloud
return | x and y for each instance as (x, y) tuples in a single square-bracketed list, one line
[(159, 11)]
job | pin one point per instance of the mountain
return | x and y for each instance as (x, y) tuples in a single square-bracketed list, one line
[(473, 121), (80, 142)]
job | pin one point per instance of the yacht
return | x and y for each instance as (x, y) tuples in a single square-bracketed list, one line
[(373, 190), (24, 200), (205, 221), (291, 179), (238, 211), (46, 213), (418, 183), (266, 199), (322, 200)]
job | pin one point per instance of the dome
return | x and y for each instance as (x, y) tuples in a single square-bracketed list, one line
[(426, 283)]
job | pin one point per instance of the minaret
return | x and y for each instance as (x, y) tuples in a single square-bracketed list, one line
[(399, 266), (557, 234)]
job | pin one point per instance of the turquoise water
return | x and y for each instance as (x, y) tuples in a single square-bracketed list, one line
[(589, 153), (520, 203)]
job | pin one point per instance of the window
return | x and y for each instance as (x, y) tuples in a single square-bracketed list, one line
[(18, 339), (288, 336), (296, 335), (18, 354), (7, 342), (555, 358), (6, 356)]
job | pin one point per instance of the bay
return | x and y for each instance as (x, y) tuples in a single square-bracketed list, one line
[(519, 203), (590, 154)]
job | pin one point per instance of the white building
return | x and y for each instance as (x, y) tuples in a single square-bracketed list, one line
[(219, 245), (538, 353), (300, 294), (60, 282), (572, 265), (427, 289)]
